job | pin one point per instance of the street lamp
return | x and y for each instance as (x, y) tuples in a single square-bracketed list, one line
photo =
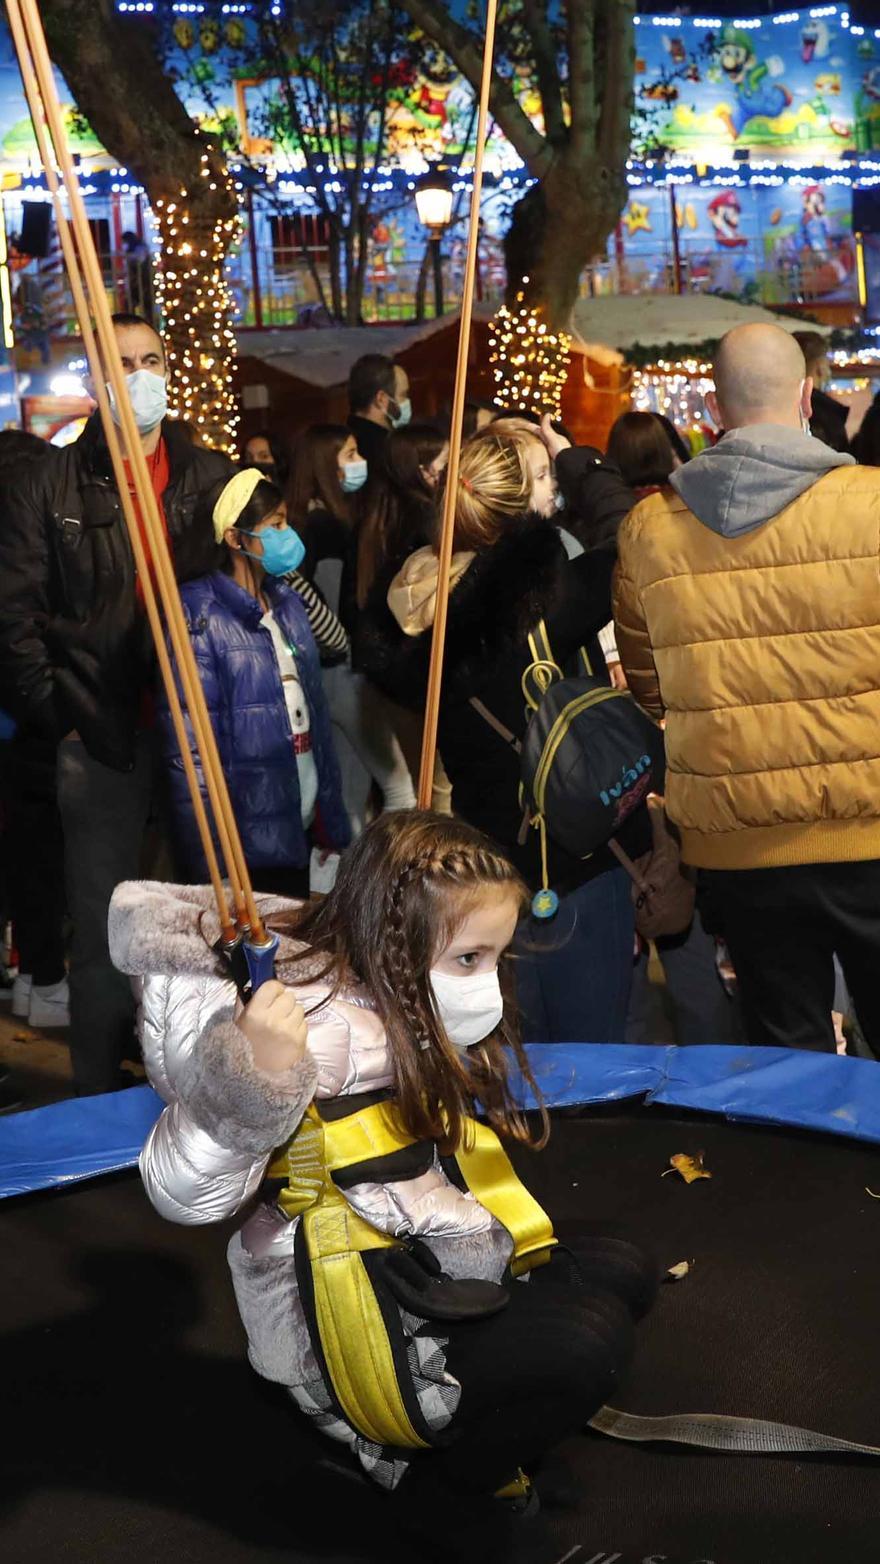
[(434, 206)]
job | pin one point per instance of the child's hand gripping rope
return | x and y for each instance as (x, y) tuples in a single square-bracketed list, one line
[(274, 1024)]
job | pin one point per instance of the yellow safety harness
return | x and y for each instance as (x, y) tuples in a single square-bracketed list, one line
[(359, 1339)]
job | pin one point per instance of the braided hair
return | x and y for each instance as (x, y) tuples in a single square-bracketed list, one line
[(402, 891)]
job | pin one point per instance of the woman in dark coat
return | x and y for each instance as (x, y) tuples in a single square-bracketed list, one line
[(323, 503), (511, 570), (400, 502)]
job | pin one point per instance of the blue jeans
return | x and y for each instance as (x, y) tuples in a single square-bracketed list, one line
[(573, 972), (703, 1012)]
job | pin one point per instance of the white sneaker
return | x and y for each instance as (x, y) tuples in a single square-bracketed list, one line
[(50, 1004), (21, 996)]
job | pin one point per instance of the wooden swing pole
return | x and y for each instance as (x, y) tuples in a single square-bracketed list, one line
[(435, 675), (39, 84)]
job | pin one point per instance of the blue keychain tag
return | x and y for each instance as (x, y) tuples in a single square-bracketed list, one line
[(545, 904)]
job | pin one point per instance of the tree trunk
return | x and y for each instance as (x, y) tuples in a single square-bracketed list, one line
[(352, 303), (334, 257), (564, 220), (115, 75), (556, 229), (363, 256)]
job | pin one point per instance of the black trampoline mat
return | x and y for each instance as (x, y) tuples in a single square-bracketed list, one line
[(136, 1431)]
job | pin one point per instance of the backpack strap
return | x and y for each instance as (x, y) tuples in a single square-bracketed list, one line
[(544, 670), (496, 723)]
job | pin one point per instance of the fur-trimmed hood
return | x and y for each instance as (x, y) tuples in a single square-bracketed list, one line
[(172, 929), (497, 597)]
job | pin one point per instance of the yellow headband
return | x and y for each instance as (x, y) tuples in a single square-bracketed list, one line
[(233, 500)]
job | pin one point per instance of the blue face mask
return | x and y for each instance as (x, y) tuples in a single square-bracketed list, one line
[(283, 550), (403, 415), (354, 475)]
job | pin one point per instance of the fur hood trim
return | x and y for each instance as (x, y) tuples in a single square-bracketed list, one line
[(172, 929), (501, 594), (412, 595)]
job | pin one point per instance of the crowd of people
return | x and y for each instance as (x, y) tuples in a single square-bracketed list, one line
[(308, 576), (733, 594)]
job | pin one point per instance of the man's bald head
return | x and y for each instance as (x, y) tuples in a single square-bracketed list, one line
[(760, 378)]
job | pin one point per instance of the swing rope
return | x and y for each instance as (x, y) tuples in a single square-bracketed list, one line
[(153, 562), (435, 674)]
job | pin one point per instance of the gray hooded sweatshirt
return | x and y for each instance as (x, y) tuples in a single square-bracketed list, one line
[(751, 475)]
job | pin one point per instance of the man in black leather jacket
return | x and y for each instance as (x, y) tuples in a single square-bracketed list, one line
[(77, 666)]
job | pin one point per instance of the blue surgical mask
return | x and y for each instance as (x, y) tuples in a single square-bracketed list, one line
[(403, 415), (148, 395), (283, 550), (354, 475)]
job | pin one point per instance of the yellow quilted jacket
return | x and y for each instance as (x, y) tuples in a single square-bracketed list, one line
[(762, 651)]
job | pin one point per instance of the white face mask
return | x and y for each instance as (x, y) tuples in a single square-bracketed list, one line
[(404, 413), (354, 475), (148, 395), (470, 1007)]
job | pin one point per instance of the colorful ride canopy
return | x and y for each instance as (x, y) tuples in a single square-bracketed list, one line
[(799, 86)]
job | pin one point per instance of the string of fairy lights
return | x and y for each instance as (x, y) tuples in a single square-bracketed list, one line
[(198, 311), (677, 387), (529, 362)]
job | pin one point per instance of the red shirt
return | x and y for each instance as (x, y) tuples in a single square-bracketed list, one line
[(160, 473)]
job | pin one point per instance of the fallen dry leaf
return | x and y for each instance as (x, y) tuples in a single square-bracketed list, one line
[(677, 1273), (690, 1168)]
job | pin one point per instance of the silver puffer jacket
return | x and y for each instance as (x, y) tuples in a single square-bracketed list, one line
[(206, 1157)]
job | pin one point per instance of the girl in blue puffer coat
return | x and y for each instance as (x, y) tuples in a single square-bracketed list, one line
[(259, 668)]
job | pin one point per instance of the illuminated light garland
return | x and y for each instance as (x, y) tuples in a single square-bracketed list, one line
[(865, 357), (676, 389), (198, 312), (529, 362)]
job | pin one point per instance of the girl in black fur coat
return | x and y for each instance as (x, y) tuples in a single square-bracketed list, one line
[(510, 570)]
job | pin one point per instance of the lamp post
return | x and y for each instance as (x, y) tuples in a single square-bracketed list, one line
[(434, 206)]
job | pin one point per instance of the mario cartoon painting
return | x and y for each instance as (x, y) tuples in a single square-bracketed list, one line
[(826, 255), (725, 215), (756, 93), (815, 228)]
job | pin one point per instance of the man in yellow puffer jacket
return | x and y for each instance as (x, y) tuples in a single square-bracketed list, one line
[(747, 603)]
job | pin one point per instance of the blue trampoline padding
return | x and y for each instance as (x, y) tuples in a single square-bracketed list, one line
[(76, 1139), (837, 1095), (87, 1136)]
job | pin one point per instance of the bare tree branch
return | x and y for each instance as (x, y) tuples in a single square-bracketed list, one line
[(546, 67), (582, 86), (112, 68), (464, 49), (617, 96)]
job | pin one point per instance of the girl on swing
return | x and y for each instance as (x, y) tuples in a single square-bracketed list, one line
[(395, 1275)]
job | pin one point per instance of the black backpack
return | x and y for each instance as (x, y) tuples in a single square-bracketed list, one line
[(588, 759)]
